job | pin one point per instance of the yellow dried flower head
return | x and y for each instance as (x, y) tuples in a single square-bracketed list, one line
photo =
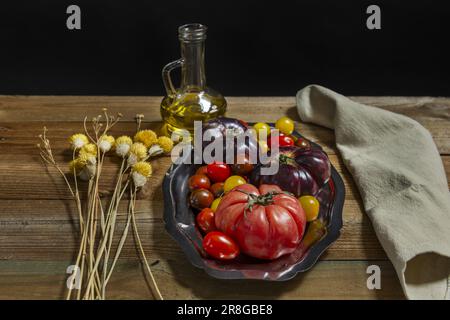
[(124, 140), (137, 153), (76, 165), (78, 140), (84, 166), (139, 150), (89, 148), (87, 159), (147, 137), (123, 145), (106, 142), (143, 168), (165, 143)]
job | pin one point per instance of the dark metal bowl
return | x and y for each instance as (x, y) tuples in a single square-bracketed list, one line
[(179, 220)]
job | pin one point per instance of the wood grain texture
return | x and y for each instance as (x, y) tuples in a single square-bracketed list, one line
[(179, 280), (432, 113), (38, 222)]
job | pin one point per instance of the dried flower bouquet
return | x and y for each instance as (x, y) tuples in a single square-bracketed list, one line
[(98, 254)]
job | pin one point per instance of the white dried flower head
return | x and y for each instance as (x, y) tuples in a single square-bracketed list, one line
[(105, 143), (155, 150), (84, 166), (123, 145), (181, 135), (132, 159), (86, 174), (138, 179), (78, 140), (140, 173)]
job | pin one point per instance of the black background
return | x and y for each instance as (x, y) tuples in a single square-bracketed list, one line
[(253, 47)]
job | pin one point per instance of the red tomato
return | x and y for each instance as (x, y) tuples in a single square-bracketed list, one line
[(199, 181), (283, 140), (218, 171), (266, 223), (220, 246), (202, 170), (205, 220), (286, 141), (201, 198)]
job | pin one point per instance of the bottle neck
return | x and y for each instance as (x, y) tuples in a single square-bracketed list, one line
[(193, 69)]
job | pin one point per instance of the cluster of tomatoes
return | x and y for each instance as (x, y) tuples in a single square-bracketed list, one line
[(208, 185), (210, 182), (285, 138)]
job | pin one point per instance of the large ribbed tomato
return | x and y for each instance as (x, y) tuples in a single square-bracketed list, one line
[(267, 223)]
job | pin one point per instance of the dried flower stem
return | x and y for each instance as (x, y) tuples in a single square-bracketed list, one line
[(111, 218), (155, 290)]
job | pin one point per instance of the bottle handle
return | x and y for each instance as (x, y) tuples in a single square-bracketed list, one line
[(168, 84)]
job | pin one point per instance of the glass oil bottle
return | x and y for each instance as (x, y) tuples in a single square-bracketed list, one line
[(193, 100)]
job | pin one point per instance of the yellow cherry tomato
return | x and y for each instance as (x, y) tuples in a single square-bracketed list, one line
[(311, 207), (285, 125), (261, 126), (215, 204), (232, 182)]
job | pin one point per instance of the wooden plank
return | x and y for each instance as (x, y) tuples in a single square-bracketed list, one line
[(178, 280), (18, 115), (25, 177), (40, 108), (47, 230), (21, 137)]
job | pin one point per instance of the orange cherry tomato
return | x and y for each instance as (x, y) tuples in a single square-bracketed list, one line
[(202, 170), (311, 207)]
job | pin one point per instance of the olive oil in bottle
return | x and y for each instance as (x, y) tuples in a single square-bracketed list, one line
[(193, 101)]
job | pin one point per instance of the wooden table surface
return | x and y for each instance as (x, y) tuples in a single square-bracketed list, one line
[(38, 234)]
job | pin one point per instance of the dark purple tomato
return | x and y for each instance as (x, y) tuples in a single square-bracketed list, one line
[(201, 198), (232, 130), (301, 171), (217, 189)]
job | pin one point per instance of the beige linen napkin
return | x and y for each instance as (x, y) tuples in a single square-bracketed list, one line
[(402, 181)]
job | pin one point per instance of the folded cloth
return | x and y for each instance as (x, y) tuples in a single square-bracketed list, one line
[(400, 176)]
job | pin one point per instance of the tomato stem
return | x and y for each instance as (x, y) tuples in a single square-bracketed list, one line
[(285, 159), (263, 200)]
